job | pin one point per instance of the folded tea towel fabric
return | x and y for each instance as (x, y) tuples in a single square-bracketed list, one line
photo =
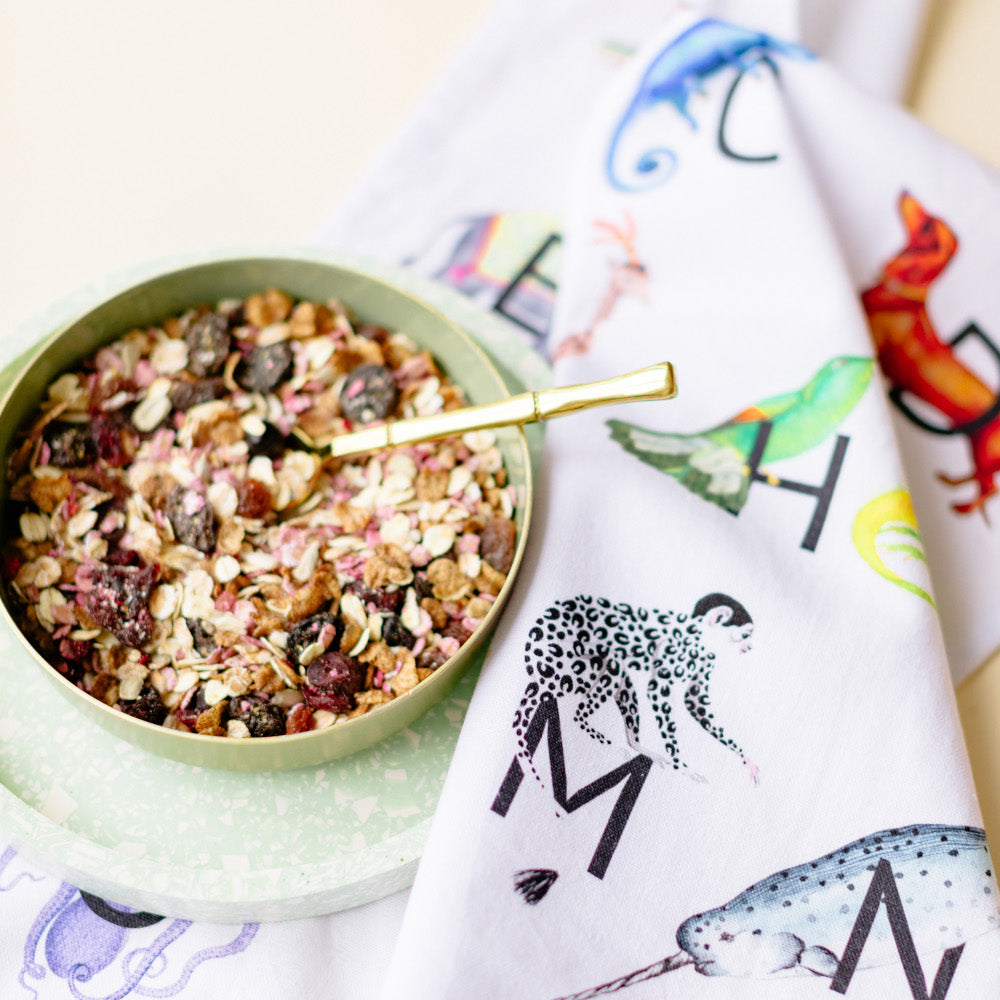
[(715, 738)]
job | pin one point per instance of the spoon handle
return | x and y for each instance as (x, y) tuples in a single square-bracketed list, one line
[(655, 382)]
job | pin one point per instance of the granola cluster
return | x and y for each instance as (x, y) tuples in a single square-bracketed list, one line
[(176, 551)]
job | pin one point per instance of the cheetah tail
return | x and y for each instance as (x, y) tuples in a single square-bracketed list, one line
[(640, 975)]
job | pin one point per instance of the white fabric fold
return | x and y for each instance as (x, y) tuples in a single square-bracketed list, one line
[(722, 670)]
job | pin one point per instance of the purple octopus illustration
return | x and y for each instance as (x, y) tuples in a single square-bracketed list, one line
[(679, 70), (116, 950), (821, 919)]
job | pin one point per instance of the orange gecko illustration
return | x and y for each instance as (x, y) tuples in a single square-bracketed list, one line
[(917, 362)]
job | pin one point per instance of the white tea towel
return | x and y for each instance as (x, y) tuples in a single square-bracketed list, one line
[(715, 738)]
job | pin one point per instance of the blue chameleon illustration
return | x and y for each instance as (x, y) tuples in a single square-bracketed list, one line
[(704, 49)]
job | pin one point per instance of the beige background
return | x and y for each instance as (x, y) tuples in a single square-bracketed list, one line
[(132, 130)]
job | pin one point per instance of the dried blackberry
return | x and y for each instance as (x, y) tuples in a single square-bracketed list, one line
[(184, 395), (147, 706), (208, 343), (192, 518), (264, 367), (369, 393), (118, 600), (307, 631), (193, 704), (395, 633), (70, 444), (260, 717), (332, 681)]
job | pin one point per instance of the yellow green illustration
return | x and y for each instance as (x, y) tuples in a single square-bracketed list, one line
[(886, 528)]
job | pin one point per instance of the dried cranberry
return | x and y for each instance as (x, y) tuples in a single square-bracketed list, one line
[(71, 446), (208, 343), (192, 518), (184, 395), (369, 393), (332, 680), (384, 600), (109, 436), (261, 717), (395, 633), (372, 332), (253, 498), (307, 631), (496, 545), (123, 557), (74, 649), (264, 367), (270, 442), (118, 600), (147, 706)]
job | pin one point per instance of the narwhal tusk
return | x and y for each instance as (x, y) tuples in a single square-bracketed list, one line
[(677, 961)]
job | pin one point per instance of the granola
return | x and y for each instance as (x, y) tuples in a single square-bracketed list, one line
[(182, 556)]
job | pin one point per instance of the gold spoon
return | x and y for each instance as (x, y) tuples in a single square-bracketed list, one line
[(655, 382)]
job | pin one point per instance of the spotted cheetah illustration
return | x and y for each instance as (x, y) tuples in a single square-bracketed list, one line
[(588, 650)]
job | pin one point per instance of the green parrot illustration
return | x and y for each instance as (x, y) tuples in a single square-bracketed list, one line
[(714, 463)]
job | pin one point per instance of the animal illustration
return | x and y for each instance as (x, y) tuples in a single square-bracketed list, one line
[(916, 361), (715, 463), (884, 531), (508, 262), (85, 939), (678, 71), (588, 649), (812, 919), (628, 277)]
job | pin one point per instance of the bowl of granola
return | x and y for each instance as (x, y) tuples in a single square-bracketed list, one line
[(191, 568)]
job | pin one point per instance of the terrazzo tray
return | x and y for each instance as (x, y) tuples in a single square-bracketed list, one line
[(225, 846)]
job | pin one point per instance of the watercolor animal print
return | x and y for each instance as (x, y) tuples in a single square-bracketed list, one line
[(917, 363)]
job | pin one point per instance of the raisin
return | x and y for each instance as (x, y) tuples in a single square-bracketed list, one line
[(260, 717), (106, 481), (194, 704), (456, 630), (253, 498), (204, 641), (110, 438), (496, 545), (307, 631), (271, 442), (208, 343), (147, 706), (395, 633), (384, 600), (118, 600), (369, 394), (184, 395), (192, 518), (332, 680), (300, 719), (264, 367), (371, 331), (422, 586), (71, 446), (431, 658)]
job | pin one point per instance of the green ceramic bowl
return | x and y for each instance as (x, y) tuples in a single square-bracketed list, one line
[(373, 300)]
